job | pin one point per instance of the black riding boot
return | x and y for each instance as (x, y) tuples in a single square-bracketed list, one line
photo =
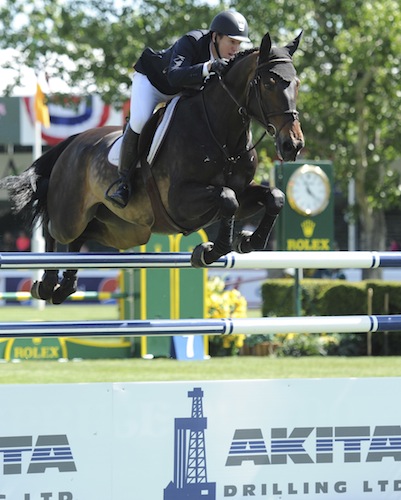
[(127, 163)]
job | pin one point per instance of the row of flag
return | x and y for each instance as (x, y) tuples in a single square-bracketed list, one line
[(60, 117)]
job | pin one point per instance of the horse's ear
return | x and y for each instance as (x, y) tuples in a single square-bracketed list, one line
[(292, 46), (265, 47)]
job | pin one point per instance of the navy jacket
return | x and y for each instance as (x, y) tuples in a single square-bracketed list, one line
[(178, 67)]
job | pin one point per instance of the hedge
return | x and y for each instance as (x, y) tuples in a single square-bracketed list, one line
[(328, 297)]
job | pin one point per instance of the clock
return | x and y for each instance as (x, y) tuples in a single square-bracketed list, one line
[(308, 190)]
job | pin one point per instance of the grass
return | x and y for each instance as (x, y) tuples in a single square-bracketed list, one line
[(139, 370), (68, 312), (228, 368)]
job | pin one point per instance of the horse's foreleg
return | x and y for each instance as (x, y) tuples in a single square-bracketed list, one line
[(209, 252), (246, 241)]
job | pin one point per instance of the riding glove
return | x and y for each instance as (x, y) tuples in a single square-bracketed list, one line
[(219, 66)]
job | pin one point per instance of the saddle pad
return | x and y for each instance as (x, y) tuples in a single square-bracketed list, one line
[(114, 153), (162, 129)]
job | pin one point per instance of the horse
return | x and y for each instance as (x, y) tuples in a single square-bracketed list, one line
[(202, 173)]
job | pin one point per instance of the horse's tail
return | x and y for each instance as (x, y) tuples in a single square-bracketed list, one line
[(28, 191)]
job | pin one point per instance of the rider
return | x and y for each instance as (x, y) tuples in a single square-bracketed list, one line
[(159, 76)]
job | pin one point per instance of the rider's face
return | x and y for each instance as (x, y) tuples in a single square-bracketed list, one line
[(227, 46)]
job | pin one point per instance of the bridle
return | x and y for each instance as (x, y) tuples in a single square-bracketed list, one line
[(265, 122), (246, 116)]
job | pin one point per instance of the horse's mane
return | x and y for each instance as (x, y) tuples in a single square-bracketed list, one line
[(232, 62), (241, 55)]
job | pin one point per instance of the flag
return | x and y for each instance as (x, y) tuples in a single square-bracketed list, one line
[(41, 110)]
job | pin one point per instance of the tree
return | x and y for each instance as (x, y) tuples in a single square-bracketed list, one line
[(350, 95), (92, 45), (349, 69)]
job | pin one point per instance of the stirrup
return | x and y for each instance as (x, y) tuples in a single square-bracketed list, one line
[(107, 192), (111, 197)]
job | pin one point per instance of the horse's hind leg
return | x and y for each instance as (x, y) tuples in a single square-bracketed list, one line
[(68, 284), (43, 290), (246, 242)]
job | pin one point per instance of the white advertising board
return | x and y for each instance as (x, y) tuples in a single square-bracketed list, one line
[(271, 439)]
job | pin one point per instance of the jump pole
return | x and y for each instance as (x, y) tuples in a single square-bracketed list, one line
[(254, 260), (79, 295), (138, 328)]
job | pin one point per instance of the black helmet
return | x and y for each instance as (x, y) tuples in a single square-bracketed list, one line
[(232, 24)]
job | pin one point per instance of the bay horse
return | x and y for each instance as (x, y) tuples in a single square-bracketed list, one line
[(202, 173)]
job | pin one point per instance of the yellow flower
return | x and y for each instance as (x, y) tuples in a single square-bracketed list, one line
[(223, 303)]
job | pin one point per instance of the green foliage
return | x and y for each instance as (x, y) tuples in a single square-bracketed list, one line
[(322, 297), (348, 63), (256, 339), (301, 345), (93, 45), (333, 298), (342, 299), (278, 297), (349, 344)]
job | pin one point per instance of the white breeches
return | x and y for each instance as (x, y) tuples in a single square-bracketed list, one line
[(144, 98)]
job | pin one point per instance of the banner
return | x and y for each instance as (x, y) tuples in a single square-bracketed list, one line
[(264, 439), (10, 120), (70, 115)]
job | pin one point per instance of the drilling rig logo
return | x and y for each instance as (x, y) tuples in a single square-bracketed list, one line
[(190, 476)]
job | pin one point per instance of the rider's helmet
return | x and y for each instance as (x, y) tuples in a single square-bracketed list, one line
[(231, 23)]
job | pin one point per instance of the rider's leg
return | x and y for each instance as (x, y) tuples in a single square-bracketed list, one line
[(126, 165), (144, 98)]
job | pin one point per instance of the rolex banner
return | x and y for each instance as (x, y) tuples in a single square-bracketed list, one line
[(274, 439), (307, 219)]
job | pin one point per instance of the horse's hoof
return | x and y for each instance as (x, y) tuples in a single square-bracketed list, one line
[(61, 293), (38, 291), (242, 242), (198, 254)]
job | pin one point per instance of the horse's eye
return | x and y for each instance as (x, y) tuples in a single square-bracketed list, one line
[(270, 84)]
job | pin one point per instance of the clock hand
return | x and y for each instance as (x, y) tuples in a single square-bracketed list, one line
[(309, 191)]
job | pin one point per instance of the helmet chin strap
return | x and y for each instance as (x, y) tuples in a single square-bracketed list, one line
[(216, 46)]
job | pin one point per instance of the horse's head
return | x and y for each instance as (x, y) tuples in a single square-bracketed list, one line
[(273, 94)]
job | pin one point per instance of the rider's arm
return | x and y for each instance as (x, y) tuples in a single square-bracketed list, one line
[(182, 71)]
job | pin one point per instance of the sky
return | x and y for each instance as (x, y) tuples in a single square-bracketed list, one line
[(29, 80), (28, 87)]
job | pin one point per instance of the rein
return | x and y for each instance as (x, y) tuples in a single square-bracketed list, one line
[(245, 120)]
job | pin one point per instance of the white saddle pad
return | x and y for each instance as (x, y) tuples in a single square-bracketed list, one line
[(114, 153)]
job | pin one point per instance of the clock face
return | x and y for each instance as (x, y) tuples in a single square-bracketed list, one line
[(308, 190)]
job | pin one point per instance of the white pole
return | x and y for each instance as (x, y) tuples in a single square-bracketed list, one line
[(351, 220), (38, 241)]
